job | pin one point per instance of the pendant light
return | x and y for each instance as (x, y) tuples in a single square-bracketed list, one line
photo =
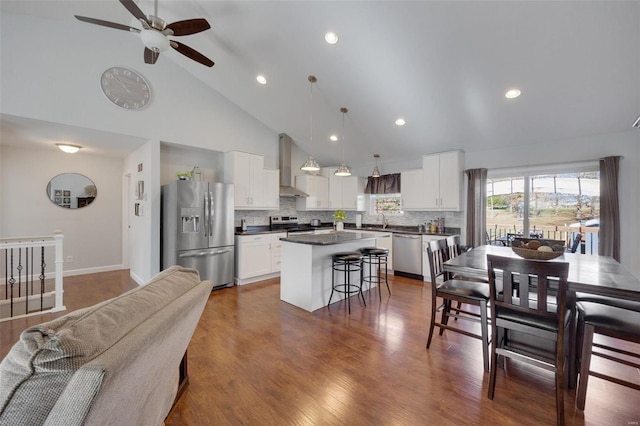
[(311, 165), (343, 170), (376, 172)]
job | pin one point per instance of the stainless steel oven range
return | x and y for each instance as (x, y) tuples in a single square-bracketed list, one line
[(290, 225)]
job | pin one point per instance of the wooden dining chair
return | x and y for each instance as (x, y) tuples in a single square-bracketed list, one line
[(526, 313), (463, 291), (617, 319)]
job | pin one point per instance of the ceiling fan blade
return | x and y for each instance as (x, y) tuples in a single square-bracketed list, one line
[(107, 24), (135, 10), (189, 26), (191, 53), (150, 56)]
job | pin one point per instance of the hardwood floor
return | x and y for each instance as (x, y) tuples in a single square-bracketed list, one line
[(255, 360)]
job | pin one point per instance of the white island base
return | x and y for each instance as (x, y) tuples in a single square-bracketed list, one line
[(305, 279)]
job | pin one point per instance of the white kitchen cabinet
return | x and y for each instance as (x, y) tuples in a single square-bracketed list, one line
[(276, 251), (345, 192), (412, 182), (270, 197), (258, 257), (318, 189), (437, 185), (442, 174), (254, 186)]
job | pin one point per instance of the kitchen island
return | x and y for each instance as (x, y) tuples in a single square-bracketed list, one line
[(305, 278)]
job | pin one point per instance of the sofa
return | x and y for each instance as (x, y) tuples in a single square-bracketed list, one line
[(114, 363)]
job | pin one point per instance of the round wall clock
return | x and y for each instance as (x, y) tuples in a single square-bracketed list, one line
[(125, 88)]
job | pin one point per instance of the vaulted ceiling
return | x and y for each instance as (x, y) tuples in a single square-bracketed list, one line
[(442, 66)]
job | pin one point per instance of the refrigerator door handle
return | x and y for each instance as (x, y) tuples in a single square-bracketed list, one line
[(210, 214), (206, 215), (205, 253)]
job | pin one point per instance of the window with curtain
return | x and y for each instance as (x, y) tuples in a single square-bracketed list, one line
[(385, 194)]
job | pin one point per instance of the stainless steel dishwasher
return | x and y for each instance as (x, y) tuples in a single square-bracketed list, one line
[(407, 255)]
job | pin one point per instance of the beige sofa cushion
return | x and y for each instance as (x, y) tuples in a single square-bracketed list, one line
[(39, 367)]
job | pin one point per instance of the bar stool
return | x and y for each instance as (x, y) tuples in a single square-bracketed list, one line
[(347, 263), (377, 257)]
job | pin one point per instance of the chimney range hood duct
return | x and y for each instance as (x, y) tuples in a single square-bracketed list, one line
[(284, 158)]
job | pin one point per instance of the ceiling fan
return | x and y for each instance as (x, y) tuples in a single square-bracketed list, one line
[(155, 33)]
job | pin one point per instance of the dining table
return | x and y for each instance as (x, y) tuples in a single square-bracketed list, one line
[(588, 273)]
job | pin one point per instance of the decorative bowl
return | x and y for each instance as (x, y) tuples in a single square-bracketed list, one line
[(536, 254)]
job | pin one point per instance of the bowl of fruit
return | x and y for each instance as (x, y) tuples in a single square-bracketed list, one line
[(537, 248)]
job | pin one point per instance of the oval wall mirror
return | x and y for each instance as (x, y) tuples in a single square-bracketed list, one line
[(71, 190)]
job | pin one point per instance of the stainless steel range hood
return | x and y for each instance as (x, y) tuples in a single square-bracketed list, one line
[(284, 158)]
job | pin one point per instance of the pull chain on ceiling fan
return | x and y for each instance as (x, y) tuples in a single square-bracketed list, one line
[(155, 33)]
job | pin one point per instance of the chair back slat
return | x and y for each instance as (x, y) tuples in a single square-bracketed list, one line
[(453, 246), (533, 278), (437, 254)]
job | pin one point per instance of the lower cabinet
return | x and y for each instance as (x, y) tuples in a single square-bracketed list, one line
[(258, 257)]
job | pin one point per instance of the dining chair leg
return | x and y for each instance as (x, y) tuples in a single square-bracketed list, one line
[(446, 309), (585, 365), (560, 374), (433, 321), (494, 361), (484, 334), (573, 347)]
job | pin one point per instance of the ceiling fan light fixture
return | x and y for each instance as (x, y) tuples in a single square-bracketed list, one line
[(376, 171), (68, 148), (154, 40)]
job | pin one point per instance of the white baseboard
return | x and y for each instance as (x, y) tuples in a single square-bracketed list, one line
[(108, 268), (137, 279)]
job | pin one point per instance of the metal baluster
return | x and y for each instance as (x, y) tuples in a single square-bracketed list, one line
[(12, 281), (43, 265), (19, 272), (26, 282)]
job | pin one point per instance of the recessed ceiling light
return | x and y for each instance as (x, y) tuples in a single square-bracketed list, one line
[(333, 138), (331, 37), (261, 79), (400, 122), (68, 148), (512, 93)]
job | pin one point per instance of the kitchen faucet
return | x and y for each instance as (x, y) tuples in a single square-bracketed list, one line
[(384, 220)]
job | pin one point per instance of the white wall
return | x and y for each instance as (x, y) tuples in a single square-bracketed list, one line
[(92, 234), (182, 110)]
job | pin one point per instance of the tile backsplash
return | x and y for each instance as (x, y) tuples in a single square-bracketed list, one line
[(288, 207)]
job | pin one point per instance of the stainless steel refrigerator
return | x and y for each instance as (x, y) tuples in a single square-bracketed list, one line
[(198, 229)]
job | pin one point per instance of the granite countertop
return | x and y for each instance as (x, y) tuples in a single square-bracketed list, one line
[(266, 229), (330, 239)]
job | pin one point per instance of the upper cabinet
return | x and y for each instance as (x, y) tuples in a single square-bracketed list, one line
[(345, 193), (412, 186), (254, 187), (318, 189), (437, 186)]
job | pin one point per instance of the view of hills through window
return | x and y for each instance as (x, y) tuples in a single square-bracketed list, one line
[(551, 206)]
